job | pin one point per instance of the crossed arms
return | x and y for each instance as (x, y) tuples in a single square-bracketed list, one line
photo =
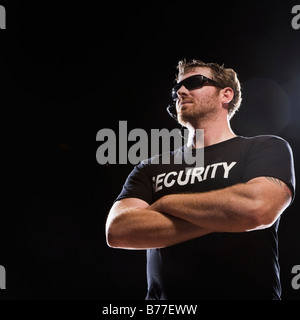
[(175, 218)]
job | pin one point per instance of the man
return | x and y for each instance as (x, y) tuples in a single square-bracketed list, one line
[(213, 236)]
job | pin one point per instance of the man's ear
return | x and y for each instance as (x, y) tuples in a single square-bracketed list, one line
[(227, 95)]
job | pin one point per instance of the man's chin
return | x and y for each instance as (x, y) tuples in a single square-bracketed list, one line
[(185, 119), (186, 116)]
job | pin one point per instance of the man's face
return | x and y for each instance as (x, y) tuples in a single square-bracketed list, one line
[(200, 104)]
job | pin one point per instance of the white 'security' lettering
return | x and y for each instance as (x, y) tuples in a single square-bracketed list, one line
[(198, 174)]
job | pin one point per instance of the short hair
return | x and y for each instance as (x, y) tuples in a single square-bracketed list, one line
[(225, 77)]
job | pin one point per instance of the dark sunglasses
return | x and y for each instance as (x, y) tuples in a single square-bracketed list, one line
[(192, 83)]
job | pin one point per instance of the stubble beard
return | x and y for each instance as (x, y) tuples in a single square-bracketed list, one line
[(200, 112)]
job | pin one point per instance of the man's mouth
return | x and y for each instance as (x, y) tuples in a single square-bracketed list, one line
[(183, 103)]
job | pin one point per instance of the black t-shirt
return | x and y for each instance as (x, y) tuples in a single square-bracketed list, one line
[(219, 265)]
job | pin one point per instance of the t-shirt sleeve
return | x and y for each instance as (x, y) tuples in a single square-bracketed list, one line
[(137, 185), (270, 156)]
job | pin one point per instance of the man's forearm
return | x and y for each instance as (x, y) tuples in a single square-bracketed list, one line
[(177, 218), (135, 228), (234, 209)]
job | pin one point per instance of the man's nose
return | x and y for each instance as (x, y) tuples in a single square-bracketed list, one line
[(183, 91)]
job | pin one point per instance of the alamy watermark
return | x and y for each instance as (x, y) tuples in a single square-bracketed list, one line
[(2, 17), (296, 18), (2, 277), (296, 278), (118, 148)]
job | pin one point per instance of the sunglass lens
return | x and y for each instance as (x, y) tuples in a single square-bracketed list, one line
[(193, 83), (190, 83)]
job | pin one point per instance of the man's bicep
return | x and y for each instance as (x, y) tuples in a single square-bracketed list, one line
[(273, 194), (270, 161), (125, 204), (129, 203), (273, 187), (123, 207), (281, 188)]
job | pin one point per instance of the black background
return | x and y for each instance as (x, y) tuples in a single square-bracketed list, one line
[(69, 70)]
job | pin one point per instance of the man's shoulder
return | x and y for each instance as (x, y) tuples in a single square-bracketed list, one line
[(264, 139), (267, 145)]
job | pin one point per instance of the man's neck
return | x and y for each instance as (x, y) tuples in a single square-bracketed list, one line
[(210, 133)]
